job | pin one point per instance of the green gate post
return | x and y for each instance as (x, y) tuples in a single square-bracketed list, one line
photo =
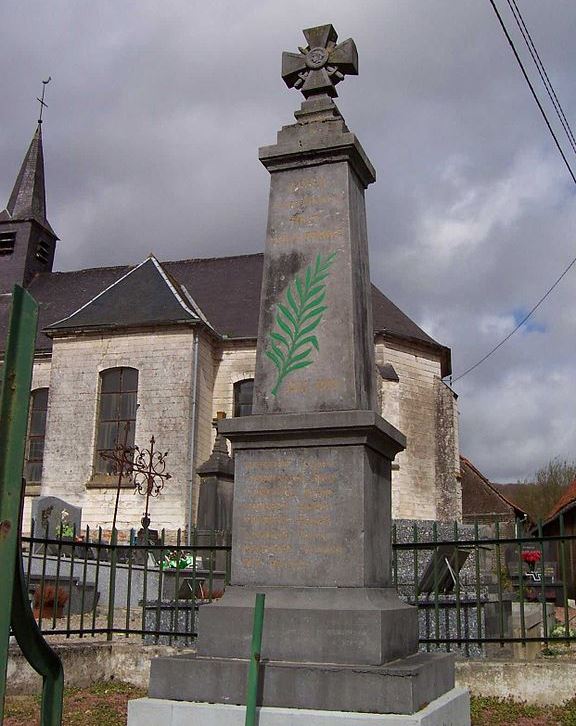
[(253, 669), (14, 605)]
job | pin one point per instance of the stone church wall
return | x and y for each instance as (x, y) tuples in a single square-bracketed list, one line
[(237, 363), (165, 364), (449, 489), (425, 483), (207, 362)]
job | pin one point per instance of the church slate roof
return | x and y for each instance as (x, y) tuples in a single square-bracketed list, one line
[(28, 198), (144, 296), (226, 290)]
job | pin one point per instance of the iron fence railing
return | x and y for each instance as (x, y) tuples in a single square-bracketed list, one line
[(90, 584), (478, 589), (481, 589)]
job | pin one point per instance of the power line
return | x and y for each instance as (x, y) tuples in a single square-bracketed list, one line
[(543, 112), (525, 74), (520, 324), (542, 71)]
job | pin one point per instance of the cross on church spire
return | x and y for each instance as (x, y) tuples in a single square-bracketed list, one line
[(41, 100), (322, 64)]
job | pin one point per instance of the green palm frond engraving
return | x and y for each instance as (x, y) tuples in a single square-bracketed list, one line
[(292, 342)]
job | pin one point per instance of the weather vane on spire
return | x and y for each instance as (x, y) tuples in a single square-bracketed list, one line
[(322, 64), (42, 104)]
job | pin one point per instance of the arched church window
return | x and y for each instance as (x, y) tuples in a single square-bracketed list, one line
[(116, 414), (243, 391), (36, 435)]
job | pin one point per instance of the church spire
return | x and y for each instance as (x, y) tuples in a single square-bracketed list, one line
[(28, 199), (27, 241)]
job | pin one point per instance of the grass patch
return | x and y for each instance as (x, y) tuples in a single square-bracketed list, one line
[(104, 704), (506, 712), (500, 712)]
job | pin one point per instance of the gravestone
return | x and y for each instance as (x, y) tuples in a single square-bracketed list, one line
[(215, 507), (312, 517), (53, 517), (215, 498)]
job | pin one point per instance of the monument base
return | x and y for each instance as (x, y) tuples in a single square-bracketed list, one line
[(451, 709), (401, 686), (354, 625)]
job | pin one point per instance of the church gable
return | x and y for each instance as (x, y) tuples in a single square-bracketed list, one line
[(144, 296)]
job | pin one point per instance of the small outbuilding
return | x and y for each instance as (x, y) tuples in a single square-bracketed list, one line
[(563, 517), (482, 502)]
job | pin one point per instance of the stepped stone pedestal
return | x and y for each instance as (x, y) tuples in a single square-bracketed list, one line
[(312, 515)]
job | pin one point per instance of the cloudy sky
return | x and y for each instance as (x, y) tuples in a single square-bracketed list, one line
[(156, 111)]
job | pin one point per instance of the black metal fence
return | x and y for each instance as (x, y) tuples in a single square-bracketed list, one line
[(88, 584), (478, 590)]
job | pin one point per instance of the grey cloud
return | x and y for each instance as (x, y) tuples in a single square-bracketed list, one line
[(156, 112)]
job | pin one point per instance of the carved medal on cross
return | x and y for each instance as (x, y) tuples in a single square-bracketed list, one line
[(322, 64)]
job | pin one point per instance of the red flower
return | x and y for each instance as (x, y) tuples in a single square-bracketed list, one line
[(532, 556)]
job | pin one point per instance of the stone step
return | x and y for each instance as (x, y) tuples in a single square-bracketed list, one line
[(451, 709), (402, 686)]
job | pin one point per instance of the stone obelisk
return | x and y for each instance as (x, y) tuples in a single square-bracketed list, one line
[(312, 517)]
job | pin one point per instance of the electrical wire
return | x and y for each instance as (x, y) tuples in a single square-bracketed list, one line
[(542, 71), (573, 262), (528, 81), (520, 324)]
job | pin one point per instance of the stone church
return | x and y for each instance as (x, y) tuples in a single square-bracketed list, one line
[(159, 348)]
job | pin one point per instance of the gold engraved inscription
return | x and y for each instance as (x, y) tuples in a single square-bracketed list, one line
[(288, 515), (298, 204), (311, 183), (312, 235)]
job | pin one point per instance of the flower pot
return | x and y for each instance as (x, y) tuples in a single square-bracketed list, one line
[(49, 611)]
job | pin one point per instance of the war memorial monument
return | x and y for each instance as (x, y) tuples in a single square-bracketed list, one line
[(312, 517)]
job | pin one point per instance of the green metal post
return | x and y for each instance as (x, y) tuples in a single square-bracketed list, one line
[(563, 576), (477, 578), (112, 587), (253, 669), (14, 606), (394, 556), (499, 580)]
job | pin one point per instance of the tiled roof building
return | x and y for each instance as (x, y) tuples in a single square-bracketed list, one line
[(482, 501)]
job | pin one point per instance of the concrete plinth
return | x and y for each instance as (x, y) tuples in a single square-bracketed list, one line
[(403, 686), (451, 709), (312, 499), (350, 625)]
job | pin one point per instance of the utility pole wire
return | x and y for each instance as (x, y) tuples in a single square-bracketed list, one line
[(542, 111), (542, 72), (520, 324), (573, 262)]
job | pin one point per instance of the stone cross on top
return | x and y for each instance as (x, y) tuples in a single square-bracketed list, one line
[(322, 64)]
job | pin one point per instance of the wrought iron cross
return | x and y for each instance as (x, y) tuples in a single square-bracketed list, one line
[(149, 475), (322, 64)]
